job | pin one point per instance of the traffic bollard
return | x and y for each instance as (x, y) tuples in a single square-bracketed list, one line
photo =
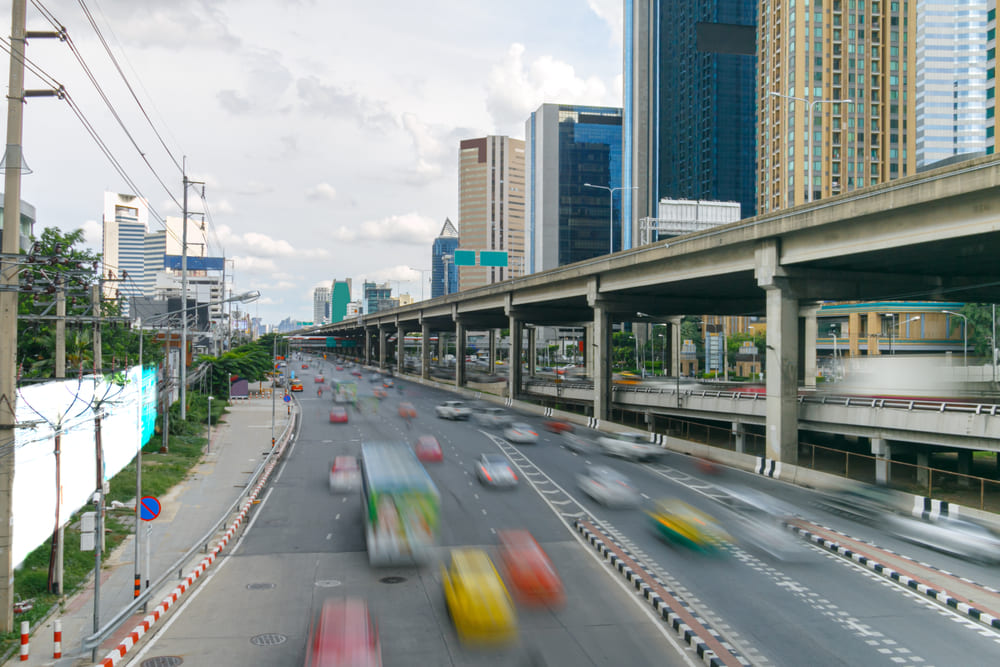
[(57, 639), (24, 641)]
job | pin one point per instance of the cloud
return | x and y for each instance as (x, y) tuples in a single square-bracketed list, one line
[(255, 266), (436, 148), (610, 11), (253, 189), (332, 101), (410, 228), (233, 102), (173, 25), (321, 191), (516, 88), (93, 234), (260, 245)]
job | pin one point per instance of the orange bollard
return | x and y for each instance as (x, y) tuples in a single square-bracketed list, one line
[(24, 641), (57, 640)]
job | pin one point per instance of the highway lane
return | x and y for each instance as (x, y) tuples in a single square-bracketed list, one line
[(306, 544)]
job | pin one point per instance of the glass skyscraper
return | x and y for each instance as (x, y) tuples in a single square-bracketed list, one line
[(444, 273)]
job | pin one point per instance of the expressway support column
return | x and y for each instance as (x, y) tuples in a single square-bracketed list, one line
[(459, 353), (923, 461), (740, 436), (532, 350), (809, 344), (599, 349), (425, 350), (493, 350), (782, 311), (675, 346), (882, 451), (964, 466), (514, 363), (368, 346), (400, 347), (381, 347)]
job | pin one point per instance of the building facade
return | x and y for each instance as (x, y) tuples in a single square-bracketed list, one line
[(377, 297), (491, 202), (321, 305), (27, 226), (991, 76), (340, 296), (689, 96), (444, 273), (853, 67), (950, 79), (573, 158), (125, 223)]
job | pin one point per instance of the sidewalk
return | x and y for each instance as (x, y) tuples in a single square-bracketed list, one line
[(187, 512)]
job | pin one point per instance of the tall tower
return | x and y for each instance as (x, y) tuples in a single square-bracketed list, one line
[(491, 206), (689, 96), (444, 274), (340, 296), (321, 305), (125, 222), (854, 65)]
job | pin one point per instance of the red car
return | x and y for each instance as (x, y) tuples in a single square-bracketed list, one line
[(304, 366), (340, 368), (429, 449), (344, 634), (557, 426), (529, 570), (356, 373), (338, 415), (406, 410), (319, 379)]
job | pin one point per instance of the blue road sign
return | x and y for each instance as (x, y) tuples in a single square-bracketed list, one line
[(287, 398), (149, 508)]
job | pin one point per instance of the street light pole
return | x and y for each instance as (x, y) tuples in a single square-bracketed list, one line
[(965, 340), (809, 140), (611, 211)]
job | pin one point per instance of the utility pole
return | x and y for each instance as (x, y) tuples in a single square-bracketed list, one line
[(58, 534), (8, 309), (184, 294), (138, 470), (95, 299)]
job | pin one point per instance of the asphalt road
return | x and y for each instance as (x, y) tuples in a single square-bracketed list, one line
[(306, 544)]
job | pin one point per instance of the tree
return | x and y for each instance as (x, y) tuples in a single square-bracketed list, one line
[(980, 323)]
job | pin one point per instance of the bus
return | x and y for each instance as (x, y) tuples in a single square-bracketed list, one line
[(400, 505)]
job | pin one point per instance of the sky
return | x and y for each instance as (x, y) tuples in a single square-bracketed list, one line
[(326, 132)]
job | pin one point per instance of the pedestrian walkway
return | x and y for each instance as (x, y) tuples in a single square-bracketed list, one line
[(188, 511)]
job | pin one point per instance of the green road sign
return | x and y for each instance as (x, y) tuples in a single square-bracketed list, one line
[(465, 258), (492, 258)]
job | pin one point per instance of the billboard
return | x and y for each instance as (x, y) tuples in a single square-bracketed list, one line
[(195, 263)]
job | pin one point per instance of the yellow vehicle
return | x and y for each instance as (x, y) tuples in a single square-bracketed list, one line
[(477, 599), (678, 522)]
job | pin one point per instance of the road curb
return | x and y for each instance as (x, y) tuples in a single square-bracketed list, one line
[(890, 573)]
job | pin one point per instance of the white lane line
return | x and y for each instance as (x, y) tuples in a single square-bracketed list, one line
[(329, 536), (644, 496), (493, 530), (344, 499), (484, 511), (476, 496), (337, 518)]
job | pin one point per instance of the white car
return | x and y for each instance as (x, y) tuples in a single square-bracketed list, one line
[(634, 446), (492, 417), (453, 410), (954, 536), (522, 434), (608, 487)]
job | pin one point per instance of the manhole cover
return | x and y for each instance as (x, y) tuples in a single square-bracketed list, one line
[(263, 586), (269, 639), (328, 583), (392, 580), (162, 661)]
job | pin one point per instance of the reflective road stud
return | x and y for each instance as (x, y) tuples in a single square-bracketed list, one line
[(57, 639)]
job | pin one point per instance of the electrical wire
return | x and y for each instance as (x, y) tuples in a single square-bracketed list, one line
[(32, 67)]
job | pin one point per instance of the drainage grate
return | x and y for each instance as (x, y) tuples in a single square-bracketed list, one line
[(392, 580), (269, 639), (263, 586), (162, 661)]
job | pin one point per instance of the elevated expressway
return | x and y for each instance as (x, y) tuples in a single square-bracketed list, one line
[(932, 236)]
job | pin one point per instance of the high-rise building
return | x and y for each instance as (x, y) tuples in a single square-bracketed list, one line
[(27, 223), (991, 77), (689, 95), (444, 273), (321, 305), (125, 222), (853, 66), (573, 159), (491, 207), (950, 79), (154, 252), (377, 297), (340, 296)]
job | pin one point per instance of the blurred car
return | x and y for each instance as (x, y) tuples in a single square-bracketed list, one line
[(634, 446), (627, 377), (528, 570), (957, 537), (558, 426), (339, 368), (492, 417), (296, 386), (378, 392), (428, 449), (521, 433), (576, 443), (304, 366), (406, 410), (477, 599), (608, 487), (453, 410), (319, 379), (374, 377), (356, 373), (388, 383), (338, 415), (345, 476), (495, 470), (344, 634), (679, 523)]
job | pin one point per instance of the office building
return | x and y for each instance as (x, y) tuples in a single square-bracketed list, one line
[(27, 226), (689, 94), (340, 296), (853, 66), (491, 207), (444, 273), (377, 297), (154, 257), (991, 77), (125, 223), (950, 79), (573, 159), (321, 305)]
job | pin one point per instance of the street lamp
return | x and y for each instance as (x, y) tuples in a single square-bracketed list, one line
[(965, 340), (611, 210), (446, 259), (892, 331), (422, 272), (809, 139)]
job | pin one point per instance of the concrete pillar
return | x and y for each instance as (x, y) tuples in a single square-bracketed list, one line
[(782, 375), (441, 347), (809, 344), (599, 346), (883, 453), (381, 347), (400, 347), (588, 350), (964, 466), (493, 350), (368, 346), (425, 350), (873, 333), (532, 351), (514, 363), (923, 463), (740, 433), (675, 346), (459, 354)]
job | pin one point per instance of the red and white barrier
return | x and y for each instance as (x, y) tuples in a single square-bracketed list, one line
[(24, 641), (57, 639), (138, 631)]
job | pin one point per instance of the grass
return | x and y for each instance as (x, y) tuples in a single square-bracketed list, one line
[(160, 473)]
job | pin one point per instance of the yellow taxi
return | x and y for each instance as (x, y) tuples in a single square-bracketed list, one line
[(678, 522), (296, 386), (477, 599)]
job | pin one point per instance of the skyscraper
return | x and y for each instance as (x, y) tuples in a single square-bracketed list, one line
[(377, 297), (444, 273), (125, 222), (568, 147), (491, 206), (689, 117), (340, 296), (991, 77), (951, 79), (854, 66), (321, 305)]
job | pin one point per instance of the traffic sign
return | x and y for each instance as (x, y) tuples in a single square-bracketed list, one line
[(149, 508), (287, 398)]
